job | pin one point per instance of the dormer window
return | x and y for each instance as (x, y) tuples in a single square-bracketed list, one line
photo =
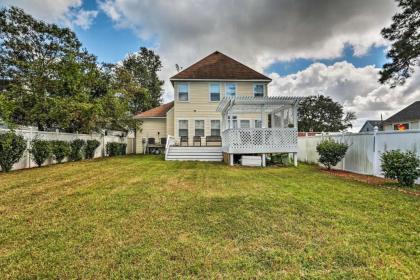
[(183, 92), (258, 90), (230, 90)]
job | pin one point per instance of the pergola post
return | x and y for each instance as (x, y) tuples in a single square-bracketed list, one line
[(295, 125)]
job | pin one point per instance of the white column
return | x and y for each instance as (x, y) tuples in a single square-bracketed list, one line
[(295, 159), (295, 115)]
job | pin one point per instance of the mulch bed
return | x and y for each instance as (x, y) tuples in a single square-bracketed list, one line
[(371, 180)]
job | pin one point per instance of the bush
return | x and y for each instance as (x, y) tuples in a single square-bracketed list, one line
[(403, 166), (76, 149), (115, 149), (41, 151), (331, 152), (60, 150), (12, 147), (91, 146)]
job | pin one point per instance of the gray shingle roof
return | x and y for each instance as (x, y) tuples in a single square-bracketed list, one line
[(409, 113)]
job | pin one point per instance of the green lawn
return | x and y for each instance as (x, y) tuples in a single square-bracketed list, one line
[(142, 217)]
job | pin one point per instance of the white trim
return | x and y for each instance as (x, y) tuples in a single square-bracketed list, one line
[(204, 126), (139, 118), (220, 91), (220, 126), (253, 89), (177, 126), (177, 92), (233, 80), (236, 89)]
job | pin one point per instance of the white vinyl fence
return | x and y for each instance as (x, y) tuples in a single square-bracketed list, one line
[(27, 162), (365, 149)]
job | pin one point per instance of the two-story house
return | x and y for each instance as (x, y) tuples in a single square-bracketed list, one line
[(215, 94)]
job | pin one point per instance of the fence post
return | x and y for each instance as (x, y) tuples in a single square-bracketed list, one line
[(375, 151), (343, 165)]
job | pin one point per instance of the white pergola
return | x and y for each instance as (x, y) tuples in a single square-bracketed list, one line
[(281, 137)]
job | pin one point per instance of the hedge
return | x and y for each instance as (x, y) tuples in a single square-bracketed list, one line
[(12, 147)]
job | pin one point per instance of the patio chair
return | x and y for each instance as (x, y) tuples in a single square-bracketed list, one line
[(197, 140), (214, 139), (183, 141), (151, 141), (163, 141)]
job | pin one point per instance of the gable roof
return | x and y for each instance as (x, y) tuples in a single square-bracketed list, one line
[(372, 123), (157, 112), (409, 113), (218, 66)]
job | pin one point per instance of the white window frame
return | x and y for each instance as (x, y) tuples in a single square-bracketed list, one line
[(220, 127), (220, 92), (236, 89), (204, 127), (188, 127), (244, 120), (188, 92), (234, 119), (253, 89)]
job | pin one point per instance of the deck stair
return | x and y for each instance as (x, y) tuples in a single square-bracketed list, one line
[(195, 153)]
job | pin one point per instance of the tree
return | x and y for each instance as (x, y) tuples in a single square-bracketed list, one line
[(54, 83), (404, 32), (141, 69), (321, 113)]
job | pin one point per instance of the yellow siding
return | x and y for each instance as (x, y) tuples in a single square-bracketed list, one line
[(170, 122), (199, 106), (150, 129)]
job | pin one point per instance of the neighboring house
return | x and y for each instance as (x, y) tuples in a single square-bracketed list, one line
[(407, 118), (370, 125), (219, 99)]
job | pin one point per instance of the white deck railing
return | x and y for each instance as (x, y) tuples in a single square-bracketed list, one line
[(170, 141), (260, 140)]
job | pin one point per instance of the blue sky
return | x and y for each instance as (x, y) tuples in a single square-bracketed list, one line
[(111, 43), (289, 33)]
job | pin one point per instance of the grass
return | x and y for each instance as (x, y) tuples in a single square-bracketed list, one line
[(142, 217)]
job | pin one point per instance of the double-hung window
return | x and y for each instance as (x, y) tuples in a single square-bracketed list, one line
[(258, 123), (199, 128), (230, 89), (234, 122), (215, 128), (183, 92), (258, 90), (245, 124), (183, 128), (214, 92)]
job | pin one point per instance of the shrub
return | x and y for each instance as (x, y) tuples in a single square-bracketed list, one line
[(91, 146), (331, 152), (12, 147), (115, 149), (60, 150), (76, 149), (403, 166), (41, 151)]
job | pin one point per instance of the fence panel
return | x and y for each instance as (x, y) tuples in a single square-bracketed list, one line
[(26, 160), (365, 149)]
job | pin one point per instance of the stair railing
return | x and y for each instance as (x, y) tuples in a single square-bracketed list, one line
[(170, 141)]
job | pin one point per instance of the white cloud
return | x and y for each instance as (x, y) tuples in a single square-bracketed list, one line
[(356, 88), (84, 19), (66, 12), (257, 33)]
